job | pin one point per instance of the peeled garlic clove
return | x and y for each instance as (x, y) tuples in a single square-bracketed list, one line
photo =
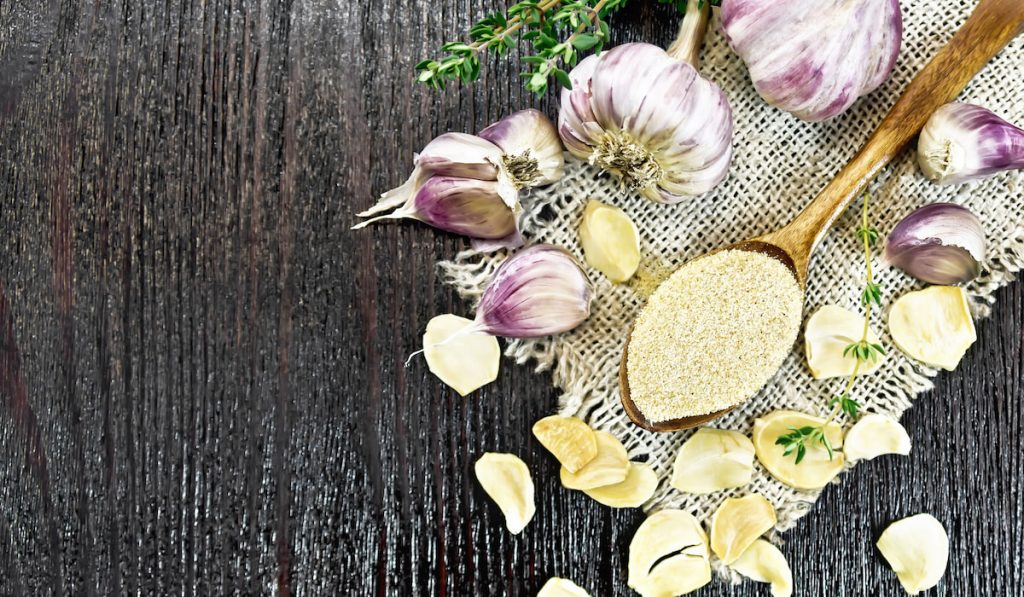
[(569, 439), (669, 555), (814, 63), (507, 480), (763, 562), (631, 492), (874, 435), (609, 467), (962, 142), (539, 291), (737, 523), (940, 243), (917, 548), (466, 361), (560, 587), (829, 331), (933, 325), (816, 469), (611, 242), (532, 151), (713, 459)]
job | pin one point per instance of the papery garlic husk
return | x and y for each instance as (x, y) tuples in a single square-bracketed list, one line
[(917, 548), (561, 587), (737, 523), (817, 469), (763, 562), (712, 460), (506, 478), (669, 555), (650, 118), (874, 435), (468, 361), (537, 292), (940, 243), (933, 325), (827, 335), (814, 58), (530, 147), (962, 142)]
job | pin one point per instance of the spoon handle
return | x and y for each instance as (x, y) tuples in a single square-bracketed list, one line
[(990, 27)]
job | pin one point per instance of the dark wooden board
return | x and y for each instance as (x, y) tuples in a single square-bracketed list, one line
[(202, 387)]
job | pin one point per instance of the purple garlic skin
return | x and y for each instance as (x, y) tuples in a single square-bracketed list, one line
[(537, 292), (940, 243), (650, 119), (814, 58), (962, 142), (527, 136)]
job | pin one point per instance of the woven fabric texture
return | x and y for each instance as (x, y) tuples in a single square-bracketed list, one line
[(780, 164)]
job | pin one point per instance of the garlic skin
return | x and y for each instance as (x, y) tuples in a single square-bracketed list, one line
[(814, 58), (940, 243), (537, 292), (962, 142)]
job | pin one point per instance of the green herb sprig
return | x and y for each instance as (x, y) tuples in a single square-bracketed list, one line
[(863, 350)]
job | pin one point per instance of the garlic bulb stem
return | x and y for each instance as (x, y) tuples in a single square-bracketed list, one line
[(686, 47)]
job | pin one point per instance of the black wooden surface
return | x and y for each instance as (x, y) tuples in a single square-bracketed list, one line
[(201, 381)]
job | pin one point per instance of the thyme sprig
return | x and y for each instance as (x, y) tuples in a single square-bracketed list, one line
[(862, 351), (557, 31)]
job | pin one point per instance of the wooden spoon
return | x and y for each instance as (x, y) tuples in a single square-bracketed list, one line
[(990, 27)]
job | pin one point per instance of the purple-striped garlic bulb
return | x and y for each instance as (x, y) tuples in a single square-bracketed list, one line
[(814, 58), (962, 142)]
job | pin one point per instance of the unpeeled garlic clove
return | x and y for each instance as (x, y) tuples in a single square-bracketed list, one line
[(816, 469), (669, 555), (465, 361), (611, 242), (763, 562), (962, 142), (631, 492), (873, 435), (917, 548), (507, 480), (737, 523), (569, 439), (933, 325), (940, 243), (610, 466), (532, 151), (713, 459), (829, 331), (560, 587)]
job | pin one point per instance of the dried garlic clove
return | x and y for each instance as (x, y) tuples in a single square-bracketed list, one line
[(560, 587), (737, 523), (507, 480), (713, 459), (933, 325), (633, 491), (829, 331), (917, 548), (816, 469), (611, 242), (669, 555), (609, 467), (874, 435), (569, 439), (464, 361), (763, 562)]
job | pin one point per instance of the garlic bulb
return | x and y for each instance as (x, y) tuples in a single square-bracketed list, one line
[(814, 58), (940, 243), (962, 142), (469, 184), (648, 117)]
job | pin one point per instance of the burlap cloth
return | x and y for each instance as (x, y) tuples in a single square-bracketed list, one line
[(780, 163)]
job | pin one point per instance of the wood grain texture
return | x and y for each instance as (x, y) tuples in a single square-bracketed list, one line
[(202, 388)]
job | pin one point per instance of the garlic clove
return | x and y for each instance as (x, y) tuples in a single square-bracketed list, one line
[(763, 562), (464, 361), (829, 331), (560, 587), (933, 325), (539, 291), (816, 469), (669, 555), (962, 142), (874, 435), (507, 480), (611, 241), (737, 523), (713, 459), (631, 492), (917, 548), (569, 439), (940, 243), (610, 466), (532, 151)]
